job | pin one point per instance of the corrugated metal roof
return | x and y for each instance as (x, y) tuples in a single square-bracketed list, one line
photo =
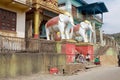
[(82, 2), (94, 8)]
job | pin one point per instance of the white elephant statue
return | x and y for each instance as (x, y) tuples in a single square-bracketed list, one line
[(81, 30), (59, 24)]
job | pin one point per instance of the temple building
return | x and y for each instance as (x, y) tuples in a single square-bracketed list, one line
[(27, 18)]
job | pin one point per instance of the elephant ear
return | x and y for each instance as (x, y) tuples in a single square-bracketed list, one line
[(61, 17)]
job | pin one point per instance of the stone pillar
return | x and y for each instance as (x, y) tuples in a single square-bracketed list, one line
[(101, 36), (90, 36), (94, 34), (29, 29), (68, 6)]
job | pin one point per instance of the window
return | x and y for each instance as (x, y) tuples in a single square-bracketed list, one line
[(7, 20)]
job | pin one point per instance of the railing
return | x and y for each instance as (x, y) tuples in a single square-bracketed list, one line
[(26, 45), (97, 18), (102, 49), (109, 42), (11, 44), (39, 45), (33, 45)]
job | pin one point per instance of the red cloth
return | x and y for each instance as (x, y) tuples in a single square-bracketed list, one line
[(52, 21), (53, 70)]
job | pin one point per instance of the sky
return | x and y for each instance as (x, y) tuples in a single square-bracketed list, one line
[(111, 19)]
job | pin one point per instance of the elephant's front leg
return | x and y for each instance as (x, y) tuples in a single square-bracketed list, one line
[(48, 34), (82, 33), (61, 28), (67, 34), (85, 38), (90, 37), (52, 36)]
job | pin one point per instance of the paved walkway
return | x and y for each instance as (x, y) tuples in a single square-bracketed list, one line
[(98, 73)]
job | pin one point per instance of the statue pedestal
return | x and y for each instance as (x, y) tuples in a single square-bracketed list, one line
[(85, 48), (67, 47)]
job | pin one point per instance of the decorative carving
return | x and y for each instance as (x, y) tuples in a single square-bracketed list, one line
[(50, 3), (53, 2)]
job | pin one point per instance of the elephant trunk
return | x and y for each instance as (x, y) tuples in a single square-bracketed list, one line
[(71, 33)]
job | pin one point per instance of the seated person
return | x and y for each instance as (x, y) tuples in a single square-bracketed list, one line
[(88, 57), (97, 61)]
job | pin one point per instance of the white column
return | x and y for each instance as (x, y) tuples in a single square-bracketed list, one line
[(101, 36), (94, 34), (90, 37), (68, 6)]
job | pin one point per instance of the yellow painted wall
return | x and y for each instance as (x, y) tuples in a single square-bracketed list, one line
[(111, 51), (15, 64), (109, 58)]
